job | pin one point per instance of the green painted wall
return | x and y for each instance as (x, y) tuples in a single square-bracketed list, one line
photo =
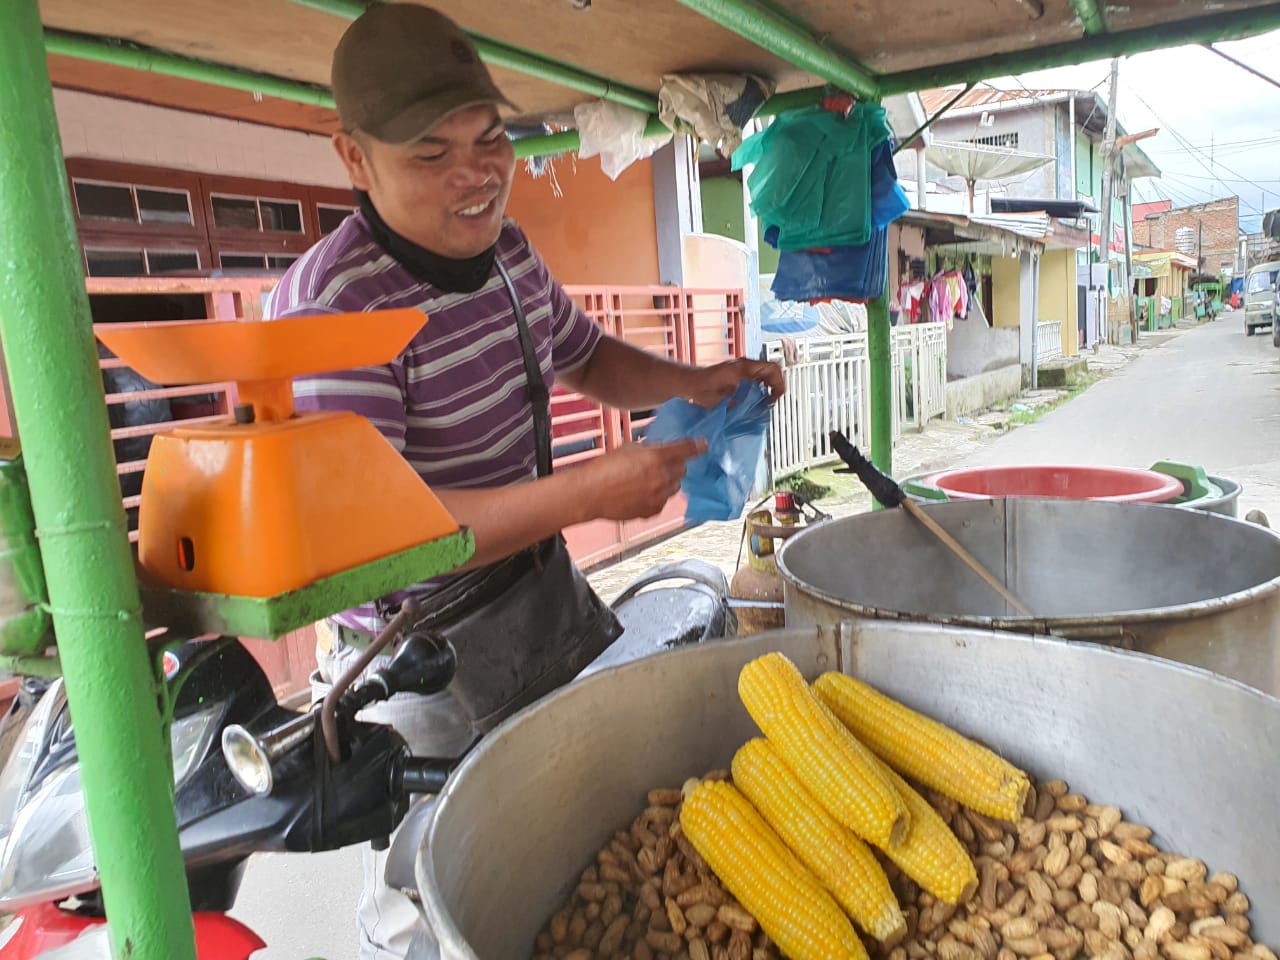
[(722, 215)]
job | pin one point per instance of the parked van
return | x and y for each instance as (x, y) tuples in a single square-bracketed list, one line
[(1260, 299)]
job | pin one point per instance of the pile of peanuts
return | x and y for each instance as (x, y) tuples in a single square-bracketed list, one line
[(1070, 880), (1074, 879), (650, 896)]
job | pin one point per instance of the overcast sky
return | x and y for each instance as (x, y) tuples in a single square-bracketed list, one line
[(1219, 125)]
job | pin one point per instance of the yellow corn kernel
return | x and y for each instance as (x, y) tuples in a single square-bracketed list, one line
[(842, 774), (932, 856), (755, 866), (925, 750), (842, 862)]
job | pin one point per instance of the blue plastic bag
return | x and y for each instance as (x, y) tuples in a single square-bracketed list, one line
[(718, 483), (841, 273)]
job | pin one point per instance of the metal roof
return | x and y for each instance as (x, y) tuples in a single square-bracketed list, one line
[(549, 55)]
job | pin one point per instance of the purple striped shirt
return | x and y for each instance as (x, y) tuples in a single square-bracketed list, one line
[(455, 402)]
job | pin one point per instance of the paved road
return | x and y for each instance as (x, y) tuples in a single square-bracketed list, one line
[(1209, 396)]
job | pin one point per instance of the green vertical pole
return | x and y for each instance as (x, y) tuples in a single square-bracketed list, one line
[(93, 594), (879, 351)]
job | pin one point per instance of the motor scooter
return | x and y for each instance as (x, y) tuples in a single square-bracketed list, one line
[(251, 776)]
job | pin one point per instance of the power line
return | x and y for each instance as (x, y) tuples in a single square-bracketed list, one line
[(1198, 154)]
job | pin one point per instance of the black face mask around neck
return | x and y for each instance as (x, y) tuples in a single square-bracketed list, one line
[(443, 273)]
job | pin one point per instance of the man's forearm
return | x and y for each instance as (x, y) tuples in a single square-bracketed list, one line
[(505, 520), (627, 378)]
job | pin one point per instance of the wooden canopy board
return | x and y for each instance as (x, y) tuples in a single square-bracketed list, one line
[(634, 42)]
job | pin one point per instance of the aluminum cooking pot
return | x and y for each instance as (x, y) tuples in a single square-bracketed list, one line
[(1193, 755)]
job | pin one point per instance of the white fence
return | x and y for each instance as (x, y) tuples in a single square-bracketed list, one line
[(829, 388), (1048, 340)]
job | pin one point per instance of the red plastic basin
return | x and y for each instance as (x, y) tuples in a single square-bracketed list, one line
[(1117, 484)]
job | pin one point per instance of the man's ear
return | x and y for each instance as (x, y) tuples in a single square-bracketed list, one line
[(354, 157)]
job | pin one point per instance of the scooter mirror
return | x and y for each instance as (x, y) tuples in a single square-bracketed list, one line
[(424, 664)]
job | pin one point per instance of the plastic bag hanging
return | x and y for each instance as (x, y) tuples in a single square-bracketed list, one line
[(717, 484), (813, 175), (616, 133), (713, 107)]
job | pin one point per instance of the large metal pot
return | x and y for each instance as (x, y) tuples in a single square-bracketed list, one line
[(1190, 754), (1184, 584)]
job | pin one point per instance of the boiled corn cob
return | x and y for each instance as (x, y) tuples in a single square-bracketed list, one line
[(787, 901), (842, 774), (932, 856), (925, 750), (841, 861)]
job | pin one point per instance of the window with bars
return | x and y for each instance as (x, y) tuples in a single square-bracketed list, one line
[(1008, 141)]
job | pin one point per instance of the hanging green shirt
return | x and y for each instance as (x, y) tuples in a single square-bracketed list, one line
[(812, 176)]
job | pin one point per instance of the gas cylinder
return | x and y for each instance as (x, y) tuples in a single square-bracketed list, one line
[(758, 582)]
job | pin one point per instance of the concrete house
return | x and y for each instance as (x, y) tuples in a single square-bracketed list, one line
[(1053, 139)]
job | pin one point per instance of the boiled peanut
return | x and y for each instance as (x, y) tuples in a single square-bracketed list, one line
[(717, 932), (1108, 819), (580, 954), (1114, 853), (1055, 788), (664, 798), (1187, 951), (1263, 952), (1045, 806), (1187, 869), (1161, 922), (1125, 831), (736, 918), (1111, 919), (1137, 916), (1072, 803), (700, 915), (1236, 903), (1151, 890), (1067, 823), (1032, 836), (664, 942), (1019, 929), (1057, 860), (1026, 947), (949, 948), (675, 917), (1088, 888), (740, 945), (698, 949), (1227, 881), (1096, 942)]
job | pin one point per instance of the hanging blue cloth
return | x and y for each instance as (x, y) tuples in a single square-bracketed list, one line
[(717, 483)]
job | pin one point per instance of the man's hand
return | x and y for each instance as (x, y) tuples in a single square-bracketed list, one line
[(635, 481), (710, 385)]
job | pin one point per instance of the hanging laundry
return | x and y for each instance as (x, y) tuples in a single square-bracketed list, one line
[(907, 299), (970, 281), (819, 179), (948, 298)]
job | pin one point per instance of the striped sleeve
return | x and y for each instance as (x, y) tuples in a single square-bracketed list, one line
[(574, 335), (376, 393)]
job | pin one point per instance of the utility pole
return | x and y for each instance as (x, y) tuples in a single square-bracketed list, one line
[(1108, 149)]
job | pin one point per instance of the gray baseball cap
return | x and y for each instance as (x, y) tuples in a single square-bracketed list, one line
[(401, 68)]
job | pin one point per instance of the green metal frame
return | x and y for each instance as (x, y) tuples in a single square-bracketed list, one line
[(147, 60), (532, 64), (121, 734), (789, 39), (1226, 25)]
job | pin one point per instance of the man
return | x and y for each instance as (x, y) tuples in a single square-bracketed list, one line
[(432, 167)]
